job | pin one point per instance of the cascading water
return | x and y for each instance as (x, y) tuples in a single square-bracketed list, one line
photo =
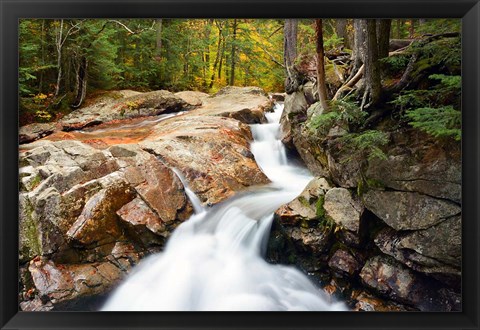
[(214, 260)]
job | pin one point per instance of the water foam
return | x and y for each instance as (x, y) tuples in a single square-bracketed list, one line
[(214, 261)]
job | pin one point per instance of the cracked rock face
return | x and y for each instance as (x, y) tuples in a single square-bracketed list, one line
[(343, 209), (436, 250), (409, 210), (58, 283), (420, 164)]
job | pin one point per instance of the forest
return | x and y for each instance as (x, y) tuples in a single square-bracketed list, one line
[(325, 154), (62, 62)]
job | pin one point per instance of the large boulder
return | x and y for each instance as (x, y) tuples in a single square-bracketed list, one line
[(138, 105), (246, 104), (300, 227), (395, 281), (436, 250), (343, 209), (32, 132), (66, 286), (408, 210), (192, 98), (70, 194), (212, 153), (420, 164)]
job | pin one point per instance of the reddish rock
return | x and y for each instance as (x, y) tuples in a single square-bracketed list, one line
[(98, 222), (368, 303), (397, 282), (137, 105), (211, 152), (343, 262)]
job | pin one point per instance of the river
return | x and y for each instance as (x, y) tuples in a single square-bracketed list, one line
[(215, 260)]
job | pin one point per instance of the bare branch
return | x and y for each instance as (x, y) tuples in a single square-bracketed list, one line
[(122, 25)]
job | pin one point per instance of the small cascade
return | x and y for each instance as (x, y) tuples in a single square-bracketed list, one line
[(214, 261), (197, 204)]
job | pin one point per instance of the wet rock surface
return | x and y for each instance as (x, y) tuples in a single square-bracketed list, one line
[(91, 208), (212, 153), (138, 105)]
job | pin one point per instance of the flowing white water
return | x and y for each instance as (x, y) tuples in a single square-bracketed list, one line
[(214, 260), (196, 203)]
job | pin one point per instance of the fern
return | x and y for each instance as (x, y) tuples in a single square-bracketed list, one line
[(323, 123), (451, 82), (439, 122), (368, 144), (342, 112)]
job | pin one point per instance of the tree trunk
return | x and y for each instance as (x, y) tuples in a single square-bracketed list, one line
[(206, 67), (220, 64), (217, 56), (59, 44), (372, 65), (358, 53), (399, 28), (290, 30), (411, 30), (341, 30), (290, 42), (233, 59), (383, 36), (81, 82), (322, 90), (42, 45), (158, 43)]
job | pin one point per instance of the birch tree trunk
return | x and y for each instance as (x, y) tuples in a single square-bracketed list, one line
[(322, 90), (59, 46)]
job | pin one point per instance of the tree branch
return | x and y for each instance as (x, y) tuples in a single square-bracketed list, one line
[(349, 84)]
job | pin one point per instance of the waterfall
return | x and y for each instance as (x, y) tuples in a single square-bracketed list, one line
[(214, 261), (196, 203)]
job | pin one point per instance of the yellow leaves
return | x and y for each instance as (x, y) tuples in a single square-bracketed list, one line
[(40, 97), (43, 115)]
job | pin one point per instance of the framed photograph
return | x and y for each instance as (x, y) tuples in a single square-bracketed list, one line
[(203, 164)]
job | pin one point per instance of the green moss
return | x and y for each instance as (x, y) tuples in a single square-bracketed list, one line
[(35, 182), (360, 188), (28, 229), (303, 201), (326, 223), (320, 211), (374, 183)]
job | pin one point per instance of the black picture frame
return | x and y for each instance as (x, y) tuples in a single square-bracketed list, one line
[(12, 10)]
